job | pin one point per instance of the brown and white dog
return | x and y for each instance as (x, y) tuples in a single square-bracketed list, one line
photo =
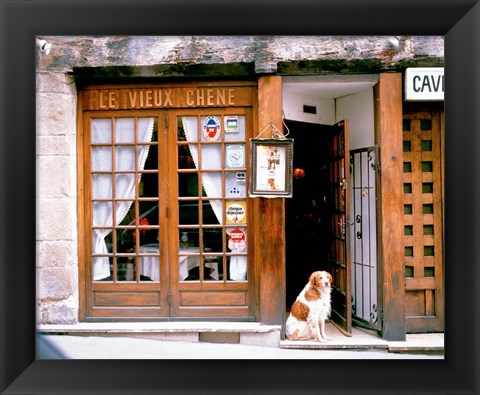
[(310, 310)]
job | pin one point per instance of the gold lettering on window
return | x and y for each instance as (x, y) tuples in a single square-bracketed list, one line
[(107, 100), (148, 99), (200, 97), (166, 97), (133, 98), (221, 96), (190, 101), (209, 97), (231, 97)]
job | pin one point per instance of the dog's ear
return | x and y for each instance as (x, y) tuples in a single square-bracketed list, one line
[(330, 278), (313, 280)]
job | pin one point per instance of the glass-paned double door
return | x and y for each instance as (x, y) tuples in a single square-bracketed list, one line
[(168, 213)]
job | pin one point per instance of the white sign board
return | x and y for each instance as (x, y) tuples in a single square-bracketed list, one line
[(424, 84)]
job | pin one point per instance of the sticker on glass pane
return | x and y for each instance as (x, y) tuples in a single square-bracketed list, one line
[(235, 185), (211, 128), (237, 240), (236, 212), (235, 155), (231, 124)]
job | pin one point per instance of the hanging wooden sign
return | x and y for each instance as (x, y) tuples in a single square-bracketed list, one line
[(271, 163)]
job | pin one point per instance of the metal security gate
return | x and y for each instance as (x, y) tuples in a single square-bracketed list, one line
[(365, 278)]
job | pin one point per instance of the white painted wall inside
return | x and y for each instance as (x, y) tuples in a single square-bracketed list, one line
[(333, 105), (358, 109), (294, 100)]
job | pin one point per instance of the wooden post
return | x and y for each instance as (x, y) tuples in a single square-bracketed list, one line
[(270, 217), (388, 135)]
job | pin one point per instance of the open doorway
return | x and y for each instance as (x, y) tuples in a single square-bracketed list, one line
[(308, 212), (332, 185), (331, 218)]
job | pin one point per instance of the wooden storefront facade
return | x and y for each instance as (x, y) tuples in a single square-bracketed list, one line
[(163, 175)]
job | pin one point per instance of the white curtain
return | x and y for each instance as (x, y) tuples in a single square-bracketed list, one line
[(211, 159), (212, 183), (103, 212)]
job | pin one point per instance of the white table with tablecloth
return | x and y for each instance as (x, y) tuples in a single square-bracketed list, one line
[(149, 265)]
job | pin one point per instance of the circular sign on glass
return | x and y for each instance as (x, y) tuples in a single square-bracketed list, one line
[(237, 240), (211, 128), (236, 212)]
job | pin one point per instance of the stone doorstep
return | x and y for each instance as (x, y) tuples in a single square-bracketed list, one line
[(432, 344), (158, 327), (211, 332), (250, 333), (332, 345)]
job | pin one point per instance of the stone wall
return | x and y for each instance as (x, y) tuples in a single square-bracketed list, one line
[(56, 192), (170, 56)]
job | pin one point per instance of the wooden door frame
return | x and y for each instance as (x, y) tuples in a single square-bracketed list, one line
[(389, 137), (247, 98), (269, 226), (87, 288), (205, 290)]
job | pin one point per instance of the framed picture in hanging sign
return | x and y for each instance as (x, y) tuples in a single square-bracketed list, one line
[(271, 163)]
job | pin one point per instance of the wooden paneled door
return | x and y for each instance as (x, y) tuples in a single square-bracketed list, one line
[(210, 273), (165, 229), (340, 252), (423, 220)]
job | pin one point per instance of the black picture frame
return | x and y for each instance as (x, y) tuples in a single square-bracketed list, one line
[(458, 20), (271, 168)]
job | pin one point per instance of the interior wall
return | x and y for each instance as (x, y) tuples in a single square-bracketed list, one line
[(293, 103), (358, 109)]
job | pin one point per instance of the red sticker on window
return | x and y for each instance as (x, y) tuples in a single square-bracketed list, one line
[(211, 128), (237, 240)]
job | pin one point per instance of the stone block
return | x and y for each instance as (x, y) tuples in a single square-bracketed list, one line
[(58, 313), (220, 337), (54, 177), (51, 82), (56, 114), (55, 145), (55, 219), (55, 283), (266, 339), (56, 254), (181, 336)]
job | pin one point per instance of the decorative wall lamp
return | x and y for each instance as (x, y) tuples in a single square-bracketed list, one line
[(298, 173), (394, 42), (44, 46)]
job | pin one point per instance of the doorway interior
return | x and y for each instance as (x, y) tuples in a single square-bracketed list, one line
[(308, 212), (313, 239)]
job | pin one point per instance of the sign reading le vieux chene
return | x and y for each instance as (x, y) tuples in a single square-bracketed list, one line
[(424, 83), (166, 97)]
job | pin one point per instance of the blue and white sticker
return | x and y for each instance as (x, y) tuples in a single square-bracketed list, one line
[(235, 155), (231, 124), (211, 128)]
